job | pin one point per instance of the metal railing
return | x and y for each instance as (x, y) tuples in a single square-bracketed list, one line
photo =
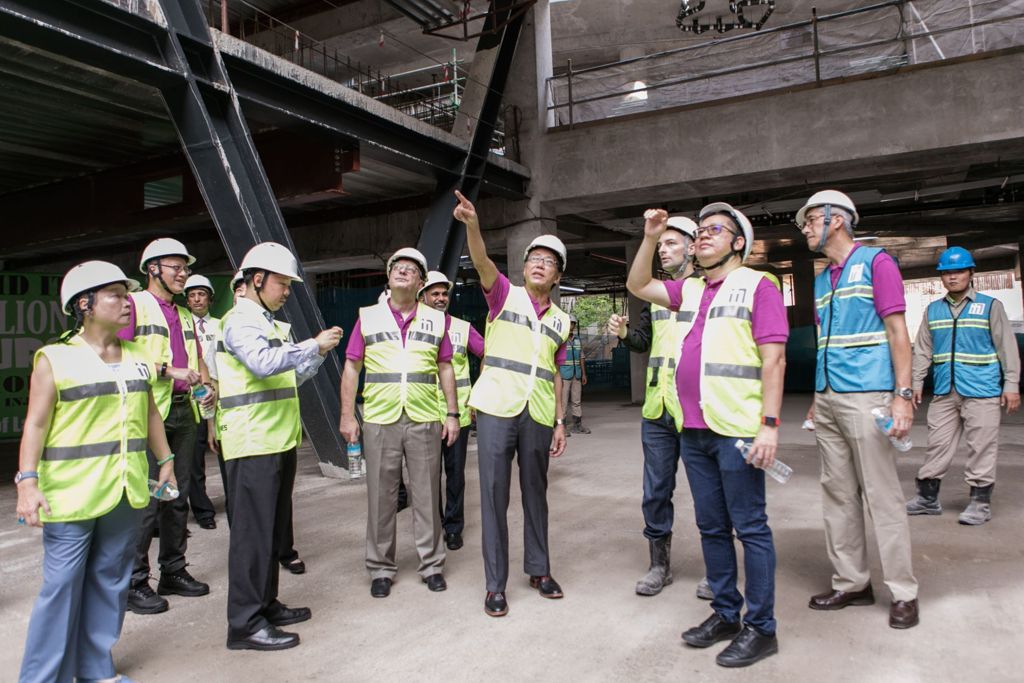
[(876, 38)]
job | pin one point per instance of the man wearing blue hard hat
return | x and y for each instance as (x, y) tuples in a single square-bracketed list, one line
[(967, 339)]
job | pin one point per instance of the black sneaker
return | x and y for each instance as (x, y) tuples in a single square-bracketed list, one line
[(181, 583), (747, 648), (712, 630), (142, 600)]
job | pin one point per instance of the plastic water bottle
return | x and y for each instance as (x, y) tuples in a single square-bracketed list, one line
[(356, 462), (778, 470), (165, 492), (884, 423), (201, 391)]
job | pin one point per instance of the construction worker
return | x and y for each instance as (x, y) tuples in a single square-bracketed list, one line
[(658, 332), (518, 404), (166, 333), (730, 368), (82, 476), (259, 371), (405, 347), (574, 378), (464, 340), (967, 340), (863, 356), (199, 295)]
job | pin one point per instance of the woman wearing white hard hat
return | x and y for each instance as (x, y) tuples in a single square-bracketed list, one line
[(82, 477)]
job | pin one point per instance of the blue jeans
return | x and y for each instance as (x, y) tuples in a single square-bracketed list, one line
[(728, 494), (660, 441)]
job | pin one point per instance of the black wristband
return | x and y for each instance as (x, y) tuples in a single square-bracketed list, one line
[(453, 414), (163, 369)]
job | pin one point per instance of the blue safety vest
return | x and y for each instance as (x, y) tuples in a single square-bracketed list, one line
[(570, 369), (853, 349), (963, 353)]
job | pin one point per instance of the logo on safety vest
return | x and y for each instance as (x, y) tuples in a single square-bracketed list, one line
[(427, 325), (557, 324), (976, 309), (857, 272), (456, 337), (738, 296)]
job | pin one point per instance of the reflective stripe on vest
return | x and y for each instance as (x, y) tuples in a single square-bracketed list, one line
[(660, 393), (256, 415), (152, 334), (458, 336), (519, 368), (94, 452), (730, 376), (853, 349), (400, 377), (964, 355)]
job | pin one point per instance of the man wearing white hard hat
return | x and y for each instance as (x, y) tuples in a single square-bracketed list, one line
[(574, 377), (465, 340), (166, 332), (199, 295), (518, 404), (864, 362), (405, 348), (658, 332), (260, 369), (729, 376)]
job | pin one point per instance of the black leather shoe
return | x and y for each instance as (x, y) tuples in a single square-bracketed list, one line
[(207, 523), (295, 566), (181, 583), (747, 648), (142, 600), (547, 586), (436, 582), (903, 614), (831, 600), (453, 541), (495, 604), (269, 638), (380, 588), (289, 615), (712, 630)]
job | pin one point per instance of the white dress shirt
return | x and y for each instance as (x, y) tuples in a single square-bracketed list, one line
[(246, 335)]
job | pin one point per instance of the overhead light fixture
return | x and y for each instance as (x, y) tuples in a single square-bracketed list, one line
[(917, 195), (571, 290)]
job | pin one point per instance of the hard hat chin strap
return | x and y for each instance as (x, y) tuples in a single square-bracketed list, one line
[(824, 231), (160, 277)]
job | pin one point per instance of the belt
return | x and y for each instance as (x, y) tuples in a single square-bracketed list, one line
[(180, 398)]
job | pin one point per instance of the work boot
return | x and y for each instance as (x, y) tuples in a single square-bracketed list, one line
[(659, 574), (704, 591), (580, 429), (927, 500), (978, 510)]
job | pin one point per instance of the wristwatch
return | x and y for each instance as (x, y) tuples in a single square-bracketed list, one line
[(769, 421), (559, 422), (905, 393), (22, 476), (455, 414)]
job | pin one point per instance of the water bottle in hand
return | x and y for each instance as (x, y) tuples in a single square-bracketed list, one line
[(356, 463), (165, 492), (200, 392), (778, 470), (884, 423)]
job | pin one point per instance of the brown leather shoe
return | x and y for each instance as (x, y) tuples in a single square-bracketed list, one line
[(834, 599), (903, 614)]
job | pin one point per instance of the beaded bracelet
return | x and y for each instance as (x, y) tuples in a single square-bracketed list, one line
[(161, 463)]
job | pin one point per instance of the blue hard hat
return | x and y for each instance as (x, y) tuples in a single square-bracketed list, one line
[(955, 258)]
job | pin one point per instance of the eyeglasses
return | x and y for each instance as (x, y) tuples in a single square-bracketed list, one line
[(176, 269), (545, 260), (402, 269), (810, 220), (713, 230)]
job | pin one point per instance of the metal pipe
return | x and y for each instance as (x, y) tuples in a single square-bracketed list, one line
[(224, 26), (569, 81), (817, 55)]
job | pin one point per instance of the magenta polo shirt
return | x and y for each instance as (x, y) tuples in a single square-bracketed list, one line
[(768, 325), (886, 283), (476, 343), (496, 301), (179, 355), (356, 348)]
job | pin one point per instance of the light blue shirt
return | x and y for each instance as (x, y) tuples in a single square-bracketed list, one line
[(247, 337)]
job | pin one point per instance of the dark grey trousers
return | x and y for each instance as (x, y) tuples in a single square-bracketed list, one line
[(499, 441)]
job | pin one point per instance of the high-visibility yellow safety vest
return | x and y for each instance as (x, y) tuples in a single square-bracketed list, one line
[(256, 415), (730, 373), (458, 335), (519, 368), (153, 335), (400, 377), (95, 449), (666, 348)]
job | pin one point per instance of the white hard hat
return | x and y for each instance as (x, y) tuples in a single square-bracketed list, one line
[(410, 254), (165, 246), (573, 319), (738, 217), (89, 276), (272, 257), (548, 242), (831, 197), (684, 225), (434, 277), (199, 281), (236, 279)]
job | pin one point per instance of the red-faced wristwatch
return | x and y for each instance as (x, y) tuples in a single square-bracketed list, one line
[(769, 421)]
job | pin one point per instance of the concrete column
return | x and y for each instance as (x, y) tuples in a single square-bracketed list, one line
[(803, 293), (637, 361)]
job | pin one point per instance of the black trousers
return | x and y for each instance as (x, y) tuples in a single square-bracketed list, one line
[(198, 500), (453, 506), (261, 490), (172, 516)]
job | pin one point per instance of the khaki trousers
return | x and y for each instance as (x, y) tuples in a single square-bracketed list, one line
[(952, 416), (385, 446), (858, 469), (572, 396)]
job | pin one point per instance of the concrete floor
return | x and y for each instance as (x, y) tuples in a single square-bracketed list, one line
[(971, 591)]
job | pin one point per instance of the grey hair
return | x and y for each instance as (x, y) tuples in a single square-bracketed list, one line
[(846, 216)]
